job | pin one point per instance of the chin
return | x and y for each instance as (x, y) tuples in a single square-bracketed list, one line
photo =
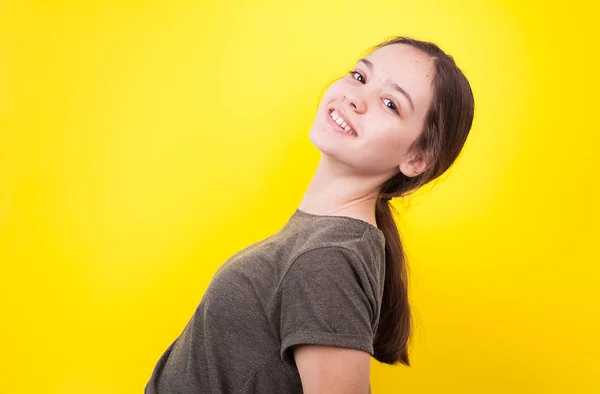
[(327, 145)]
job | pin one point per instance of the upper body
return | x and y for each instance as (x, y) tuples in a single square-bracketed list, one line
[(317, 281)]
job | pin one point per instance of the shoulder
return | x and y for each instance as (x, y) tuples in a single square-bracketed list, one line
[(328, 255), (304, 234), (360, 260), (337, 275)]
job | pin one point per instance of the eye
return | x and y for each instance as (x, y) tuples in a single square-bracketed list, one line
[(353, 73), (393, 106)]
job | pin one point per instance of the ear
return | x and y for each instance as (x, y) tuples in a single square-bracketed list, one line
[(414, 165)]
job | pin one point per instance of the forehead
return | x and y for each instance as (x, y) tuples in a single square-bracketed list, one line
[(405, 65)]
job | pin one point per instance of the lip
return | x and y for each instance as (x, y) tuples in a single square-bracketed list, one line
[(337, 127)]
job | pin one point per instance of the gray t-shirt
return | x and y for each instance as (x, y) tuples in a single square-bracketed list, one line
[(318, 280)]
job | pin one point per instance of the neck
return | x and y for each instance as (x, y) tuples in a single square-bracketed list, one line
[(336, 190)]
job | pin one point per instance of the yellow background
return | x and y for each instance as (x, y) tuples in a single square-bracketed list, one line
[(144, 142)]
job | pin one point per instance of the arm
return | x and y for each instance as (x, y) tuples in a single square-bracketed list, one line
[(332, 370)]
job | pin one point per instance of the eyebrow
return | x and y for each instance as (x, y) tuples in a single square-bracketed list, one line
[(395, 86)]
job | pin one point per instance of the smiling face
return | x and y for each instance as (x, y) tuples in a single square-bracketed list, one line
[(384, 100)]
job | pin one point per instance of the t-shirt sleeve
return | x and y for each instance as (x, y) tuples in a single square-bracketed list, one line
[(328, 297)]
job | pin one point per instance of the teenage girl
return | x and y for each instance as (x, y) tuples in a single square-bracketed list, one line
[(303, 310)]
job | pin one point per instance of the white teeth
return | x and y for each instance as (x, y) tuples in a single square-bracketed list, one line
[(338, 119)]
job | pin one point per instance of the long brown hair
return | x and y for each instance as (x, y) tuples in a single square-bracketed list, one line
[(444, 133)]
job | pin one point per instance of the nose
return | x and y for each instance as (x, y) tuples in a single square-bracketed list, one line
[(355, 102)]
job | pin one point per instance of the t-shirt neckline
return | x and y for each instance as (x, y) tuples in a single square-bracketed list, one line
[(300, 212)]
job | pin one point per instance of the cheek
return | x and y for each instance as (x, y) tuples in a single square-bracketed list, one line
[(394, 139), (384, 127)]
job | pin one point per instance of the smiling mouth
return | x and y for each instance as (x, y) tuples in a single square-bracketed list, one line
[(340, 124)]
